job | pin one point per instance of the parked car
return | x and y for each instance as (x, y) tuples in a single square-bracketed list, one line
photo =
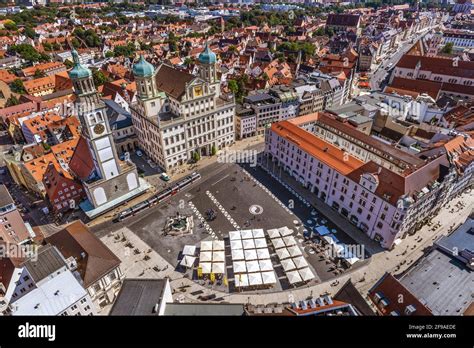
[(164, 177)]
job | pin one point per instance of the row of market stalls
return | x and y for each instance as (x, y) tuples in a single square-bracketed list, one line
[(212, 258), (251, 259), (291, 258)]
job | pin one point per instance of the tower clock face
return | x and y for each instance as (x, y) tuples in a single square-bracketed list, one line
[(99, 129)]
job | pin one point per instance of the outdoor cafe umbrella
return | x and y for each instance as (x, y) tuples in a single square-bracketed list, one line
[(246, 234), (255, 279), (293, 277), (205, 267), (239, 267), (206, 245), (283, 253), (218, 256), (278, 243), (265, 265), (268, 277), (289, 240), (252, 266), (258, 233), (234, 235), (248, 244), (217, 245), (236, 244), (218, 268), (188, 261), (306, 274), (250, 254), (273, 233), (238, 254), (300, 262), (189, 250), (205, 256), (263, 254), (285, 231), (241, 280), (294, 251), (288, 265), (260, 243)]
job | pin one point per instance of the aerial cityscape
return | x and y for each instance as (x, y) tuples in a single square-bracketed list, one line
[(237, 158)]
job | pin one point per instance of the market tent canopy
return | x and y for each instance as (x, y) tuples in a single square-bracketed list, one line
[(252, 266), (265, 265), (285, 231), (234, 235), (236, 244), (322, 230), (218, 267), (246, 234), (283, 253), (263, 254), (260, 243), (289, 240), (205, 256), (206, 245), (218, 256), (268, 277), (189, 250), (241, 280), (306, 274), (250, 254), (255, 279), (217, 245), (293, 277), (300, 262), (294, 251), (258, 233), (288, 265), (239, 267), (238, 254), (205, 267), (278, 243), (273, 233), (188, 261), (248, 244)]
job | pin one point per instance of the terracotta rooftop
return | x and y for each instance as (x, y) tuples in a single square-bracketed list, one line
[(172, 81)]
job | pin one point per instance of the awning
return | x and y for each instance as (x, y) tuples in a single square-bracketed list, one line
[(189, 250), (206, 245), (288, 265), (238, 254), (205, 267), (218, 268), (236, 244), (265, 265), (250, 254), (205, 256), (306, 274), (239, 267), (241, 280), (294, 251), (248, 244), (218, 256), (252, 266), (278, 243), (255, 279), (217, 245), (283, 253), (293, 277), (258, 233), (263, 254), (268, 278), (260, 243), (300, 262), (188, 261)]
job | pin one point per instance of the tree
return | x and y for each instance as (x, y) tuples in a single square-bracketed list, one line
[(69, 64), (448, 48), (126, 51), (99, 77), (233, 86), (17, 86), (12, 101), (196, 156), (30, 32), (213, 150), (10, 25), (38, 74), (188, 61)]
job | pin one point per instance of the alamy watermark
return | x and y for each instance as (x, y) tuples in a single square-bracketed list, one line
[(238, 156), (25, 251)]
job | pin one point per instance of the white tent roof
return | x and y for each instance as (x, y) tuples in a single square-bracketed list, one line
[(250, 254), (239, 267), (218, 245), (188, 261), (255, 279), (189, 250), (238, 254), (265, 265), (283, 253), (246, 234), (306, 274), (278, 243), (268, 277), (285, 231), (218, 267), (234, 235), (293, 277), (273, 233), (300, 262), (236, 244), (260, 243), (241, 280), (252, 266), (218, 256), (205, 267), (294, 251), (288, 265), (206, 245), (289, 240), (258, 233), (263, 254), (205, 256), (248, 244)]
